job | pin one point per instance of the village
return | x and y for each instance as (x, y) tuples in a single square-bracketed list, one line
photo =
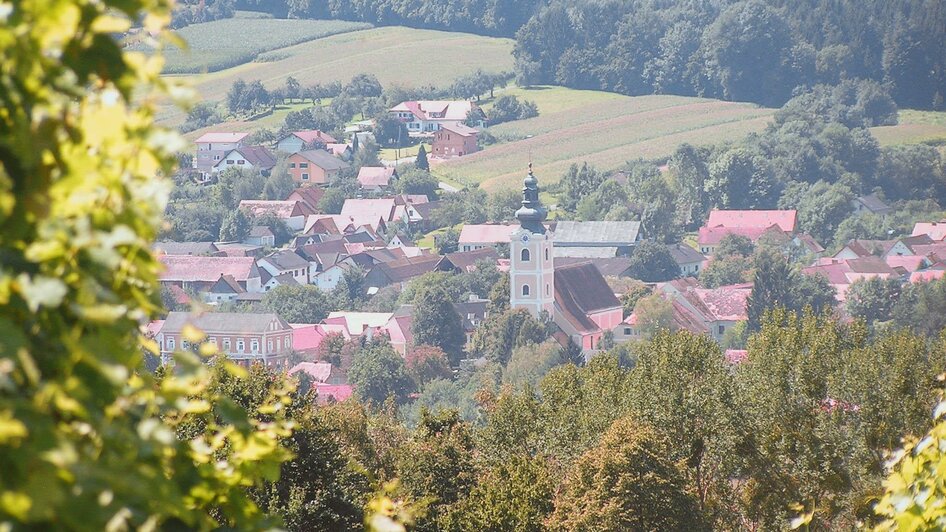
[(570, 273)]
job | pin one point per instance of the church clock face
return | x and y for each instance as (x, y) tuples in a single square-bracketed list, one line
[(525, 239)]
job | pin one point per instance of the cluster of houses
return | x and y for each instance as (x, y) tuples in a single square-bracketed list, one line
[(316, 157)]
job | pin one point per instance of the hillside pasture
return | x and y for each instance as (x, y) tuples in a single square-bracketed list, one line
[(396, 55), (914, 127), (225, 43), (605, 134)]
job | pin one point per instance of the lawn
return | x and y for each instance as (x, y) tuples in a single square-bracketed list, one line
[(273, 121), (221, 44), (606, 132), (396, 55), (914, 127)]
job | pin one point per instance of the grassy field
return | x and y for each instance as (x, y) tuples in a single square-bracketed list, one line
[(606, 131), (221, 44), (915, 127), (396, 55)]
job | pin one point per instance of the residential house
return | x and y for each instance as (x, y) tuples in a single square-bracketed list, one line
[(842, 273), (317, 167), (260, 235), (340, 224), (870, 204), (238, 249), (595, 239), (688, 259), (310, 196), (398, 329), (901, 247), (185, 248), (454, 140), (286, 262), (473, 312), (423, 118), (376, 178), (199, 273), (466, 261), (292, 213), (682, 319), (248, 158), (212, 147), (225, 289), (342, 151), (786, 220), (297, 141), (319, 373), (709, 238), (935, 230), (399, 272), (244, 338), (384, 208), (477, 236), (717, 309)]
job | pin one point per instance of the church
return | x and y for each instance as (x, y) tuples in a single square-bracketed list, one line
[(576, 297)]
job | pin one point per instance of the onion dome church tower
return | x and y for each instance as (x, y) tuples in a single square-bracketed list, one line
[(531, 274)]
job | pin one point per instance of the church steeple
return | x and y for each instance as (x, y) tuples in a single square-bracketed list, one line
[(532, 213)]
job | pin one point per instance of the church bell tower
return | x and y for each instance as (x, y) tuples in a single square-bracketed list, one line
[(531, 273)]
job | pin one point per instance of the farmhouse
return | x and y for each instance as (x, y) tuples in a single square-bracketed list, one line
[(454, 140), (423, 118), (318, 167), (299, 140), (476, 236)]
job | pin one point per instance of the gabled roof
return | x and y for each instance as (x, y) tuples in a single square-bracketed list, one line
[(726, 303), (307, 338), (759, 219), (376, 176), (453, 110), (258, 156), (223, 322), (711, 236), (369, 208), (195, 268), (185, 248), (226, 284), (280, 209), (460, 129), (580, 290), (310, 135), (596, 233), (358, 322), (609, 267), (318, 371), (286, 260), (873, 204), (337, 149), (308, 195), (935, 230), (684, 254), (322, 159), (260, 231), (215, 137), (333, 393), (486, 233), (465, 261), (285, 279), (398, 271)]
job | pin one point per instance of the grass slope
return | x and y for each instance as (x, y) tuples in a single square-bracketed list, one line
[(914, 127), (221, 44), (606, 131), (396, 55)]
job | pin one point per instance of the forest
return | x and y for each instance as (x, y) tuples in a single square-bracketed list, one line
[(751, 50)]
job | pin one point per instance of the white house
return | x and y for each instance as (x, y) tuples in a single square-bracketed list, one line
[(286, 262), (423, 118), (248, 157), (296, 141)]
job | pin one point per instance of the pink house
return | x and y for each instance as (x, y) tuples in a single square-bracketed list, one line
[(478, 236), (786, 220), (841, 274)]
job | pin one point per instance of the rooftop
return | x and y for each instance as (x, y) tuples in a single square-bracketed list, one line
[(760, 219), (214, 137), (597, 233), (229, 322)]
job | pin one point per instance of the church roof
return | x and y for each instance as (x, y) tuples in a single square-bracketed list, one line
[(580, 290)]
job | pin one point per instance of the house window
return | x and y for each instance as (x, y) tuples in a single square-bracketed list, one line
[(288, 342), (548, 290), (546, 253), (303, 165), (269, 346), (241, 161), (216, 157), (213, 340), (305, 177), (241, 345), (524, 255), (278, 344), (226, 345), (722, 329), (185, 344), (170, 344), (627, 331), (229, 161), (525, 289), (254, 345), (292, 165)]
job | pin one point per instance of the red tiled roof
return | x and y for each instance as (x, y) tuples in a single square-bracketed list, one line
[(375, 176), (911, 264), (711, 236), (760, 219), (367, 208), (208, 269), (327, 393), (319, 371), (310, 135), (926, 276), (580, 290), (486, 233), (726, 303), (307, 338), (935, 230), (736, 356), (460, 129), (279, 209)]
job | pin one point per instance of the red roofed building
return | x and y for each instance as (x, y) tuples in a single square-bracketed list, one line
[(376, 177), (423, 118), (199, 273), (310, 196), (935, 230), (926, 276), (454, 140), (716, 309), (332, 393), (293, 213), (786, 220), (841, 273), (477, 236)]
